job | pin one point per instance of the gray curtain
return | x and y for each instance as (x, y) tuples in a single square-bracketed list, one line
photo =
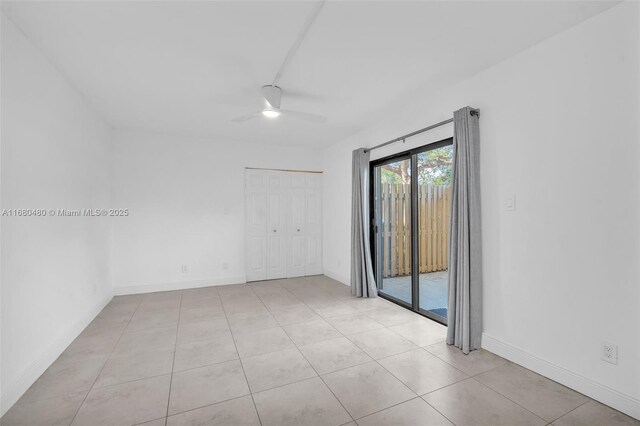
[(465, 249), (363, 283)]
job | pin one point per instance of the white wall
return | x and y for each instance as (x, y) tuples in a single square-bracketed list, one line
[(55, 270), (559, 129), (185, 195), (186, 198)]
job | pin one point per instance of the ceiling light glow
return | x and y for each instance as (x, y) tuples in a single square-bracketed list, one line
[(271, 113)]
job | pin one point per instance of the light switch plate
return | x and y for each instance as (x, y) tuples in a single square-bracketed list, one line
[(510, 203)]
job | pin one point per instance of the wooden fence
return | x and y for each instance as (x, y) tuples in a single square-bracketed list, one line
[(434, 209)]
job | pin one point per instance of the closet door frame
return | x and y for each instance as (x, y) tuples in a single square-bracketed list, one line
[(289, 230)]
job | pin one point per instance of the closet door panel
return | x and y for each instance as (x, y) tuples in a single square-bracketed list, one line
[(314, 181), (276, 226), (257, 212), (298, 212), (296, 219), (283, 224), (297, 256), (314, 212), (276, 258), (256, 258), (256, 202), (314, 224), (314, 255), (298, 180)]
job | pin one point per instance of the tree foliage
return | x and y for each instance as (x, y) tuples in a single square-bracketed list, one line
[(434, 167)]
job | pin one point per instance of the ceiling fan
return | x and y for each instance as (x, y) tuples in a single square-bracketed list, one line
[(272, 94), (272, 97)]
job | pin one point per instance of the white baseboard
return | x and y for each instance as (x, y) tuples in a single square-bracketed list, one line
[(336, 276), (604, 394), (152, 288), (16, 389)]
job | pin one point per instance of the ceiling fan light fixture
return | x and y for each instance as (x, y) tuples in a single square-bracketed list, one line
[(270, 113)]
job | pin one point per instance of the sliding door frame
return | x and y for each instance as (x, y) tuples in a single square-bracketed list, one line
[(411, 155), (402, 156)]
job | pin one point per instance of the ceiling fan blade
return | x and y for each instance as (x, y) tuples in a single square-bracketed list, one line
[(246, 117), (307, 116)]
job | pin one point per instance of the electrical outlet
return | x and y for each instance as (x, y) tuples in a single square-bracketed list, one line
[(510, 203), (225, 265), (183, 269), (610, 352)]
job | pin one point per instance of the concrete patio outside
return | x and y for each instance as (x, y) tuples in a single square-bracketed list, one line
[(433, 290)]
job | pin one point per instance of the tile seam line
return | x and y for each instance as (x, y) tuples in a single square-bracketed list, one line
[(173, 362), (255, 407), (105, 362)]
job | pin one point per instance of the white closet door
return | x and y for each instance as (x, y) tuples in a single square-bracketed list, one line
[(283, 224), (277, 225), (297, 253), (256, 191), (314, 224)]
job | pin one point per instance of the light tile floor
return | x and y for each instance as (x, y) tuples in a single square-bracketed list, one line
[(288, 352)]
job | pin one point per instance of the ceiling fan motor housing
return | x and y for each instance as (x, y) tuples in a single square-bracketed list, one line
[(272, 96)]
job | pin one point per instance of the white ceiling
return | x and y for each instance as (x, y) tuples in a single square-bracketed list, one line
[(190, 67)]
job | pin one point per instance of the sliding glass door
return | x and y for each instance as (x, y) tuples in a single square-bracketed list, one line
[(411, 199), (393, 224), (434, 213)]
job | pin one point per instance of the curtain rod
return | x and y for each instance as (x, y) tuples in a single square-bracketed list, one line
[(283, 170), (417, 132)]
